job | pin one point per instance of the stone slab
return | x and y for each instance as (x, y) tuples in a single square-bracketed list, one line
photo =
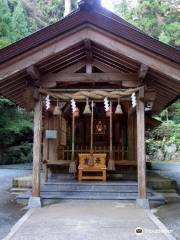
[(90, 220)]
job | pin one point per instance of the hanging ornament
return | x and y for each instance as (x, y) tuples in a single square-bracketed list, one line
[(57, 111), (87, 109), (106, 104), (118, 108), (133, 100), (47, 102), (75, 110), (149, 106), (73, 105)]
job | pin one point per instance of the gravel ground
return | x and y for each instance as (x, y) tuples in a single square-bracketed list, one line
[(10, 212), (169, 213)]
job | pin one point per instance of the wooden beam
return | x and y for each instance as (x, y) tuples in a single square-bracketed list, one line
[(37, 149), (88, 50), (9, 96), (28, 97), (66, 63), (129, 84), (120, 59), (13, 85), (104, 67), (74, 68), (110, 62), (150, 95), (50, 80), (162, 87), (15, 91), (143, 72), (141, 146), (61, 58), (89, 68), (89, 55), (114, 43), (33, 72)]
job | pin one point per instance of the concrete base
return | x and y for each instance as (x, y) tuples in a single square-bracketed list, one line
[(34, 202), (142, 203)]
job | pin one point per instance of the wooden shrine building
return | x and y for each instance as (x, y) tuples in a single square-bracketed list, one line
[(94, 82)]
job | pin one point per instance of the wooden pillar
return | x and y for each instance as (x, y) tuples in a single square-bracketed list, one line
[(142, 200), (92, 127), (111, 162), (130, 137), (37, 150), (53, 143), (110, 134), (34, 200), (73, 137)]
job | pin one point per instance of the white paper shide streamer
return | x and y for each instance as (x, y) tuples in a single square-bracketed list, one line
[(133, 99), (48, 103)]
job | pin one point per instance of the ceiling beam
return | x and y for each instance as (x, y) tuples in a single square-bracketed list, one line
[(61, 59), (122, 59), (10, 82), (50, 80), (15, 91), (12, 86), (115, 44), (104, 67), (73, 68), (66, 62), (110, 62)]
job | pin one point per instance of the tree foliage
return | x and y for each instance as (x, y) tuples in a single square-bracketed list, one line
[(15, 130), (157, 18), (19, 18)]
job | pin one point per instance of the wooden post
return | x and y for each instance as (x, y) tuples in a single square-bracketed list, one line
[(73, 133), (37, 150), (111, 163), (92, 126), (34, 201), (130, 137), (72, 166), (142, 201), (111, 153)]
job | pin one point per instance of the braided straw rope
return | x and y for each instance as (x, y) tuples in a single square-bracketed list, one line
[(92, 94)]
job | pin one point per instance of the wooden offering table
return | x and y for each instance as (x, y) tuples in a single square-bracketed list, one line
[(92, 167)]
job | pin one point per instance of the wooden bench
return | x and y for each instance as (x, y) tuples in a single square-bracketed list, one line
[(58, 163), (98, 165), (126, 163)]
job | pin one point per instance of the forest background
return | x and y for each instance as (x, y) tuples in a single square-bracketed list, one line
[(20, 18)]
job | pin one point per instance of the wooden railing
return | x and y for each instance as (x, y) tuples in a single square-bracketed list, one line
[(119, 153)]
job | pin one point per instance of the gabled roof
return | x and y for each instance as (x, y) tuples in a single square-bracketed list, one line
[(99, 17), (115, 45)]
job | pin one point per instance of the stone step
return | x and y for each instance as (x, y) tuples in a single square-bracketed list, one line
[(88, 196), (55, 191), (89, 183), (89, 188)]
